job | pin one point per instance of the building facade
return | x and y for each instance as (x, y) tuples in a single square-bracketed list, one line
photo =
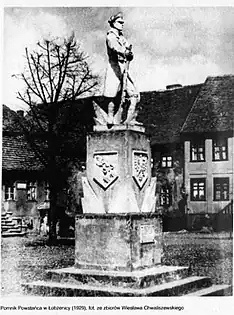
[(208, 147), (24, 185), (209, 173)]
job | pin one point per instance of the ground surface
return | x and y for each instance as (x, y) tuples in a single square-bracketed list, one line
[(26, 259)]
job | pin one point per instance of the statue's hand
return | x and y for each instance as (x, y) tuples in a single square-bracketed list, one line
[(129, 56)]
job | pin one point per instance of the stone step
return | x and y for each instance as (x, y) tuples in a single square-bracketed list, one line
[(7, 222), (7, 226), (6, 216), (14, 230), (13, 227), (11, 234), (214, 290), (10, 226), (7, 229), (8, 213), (19, 226), (174, 288), (133, 279)]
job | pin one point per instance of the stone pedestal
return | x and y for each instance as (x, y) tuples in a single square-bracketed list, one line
[(117, 241), (119, 229), (118, 172)]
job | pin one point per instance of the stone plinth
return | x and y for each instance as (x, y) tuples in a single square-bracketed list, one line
[(138, 127), (118, 242), (118, 172)]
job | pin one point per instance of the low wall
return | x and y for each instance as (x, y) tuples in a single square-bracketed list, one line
[(194, 222)]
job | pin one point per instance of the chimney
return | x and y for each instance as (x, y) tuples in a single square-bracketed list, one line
[(20, 113)]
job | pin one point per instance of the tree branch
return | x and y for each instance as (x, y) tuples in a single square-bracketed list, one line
[(49, 71), (32, 74), (35, 115), (36, 65), (36, 148), (64, 72), (87, 89)]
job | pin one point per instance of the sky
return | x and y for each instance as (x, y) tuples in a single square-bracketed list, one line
[(171, 45)]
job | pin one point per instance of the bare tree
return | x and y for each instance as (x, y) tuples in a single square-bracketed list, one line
[(55, 73)]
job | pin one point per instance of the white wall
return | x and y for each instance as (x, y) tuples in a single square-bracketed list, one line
[(208, 169)]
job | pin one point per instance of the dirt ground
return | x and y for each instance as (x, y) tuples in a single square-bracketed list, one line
[(26, 259)]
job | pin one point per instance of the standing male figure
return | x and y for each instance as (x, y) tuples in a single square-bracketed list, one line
[(119, 53)]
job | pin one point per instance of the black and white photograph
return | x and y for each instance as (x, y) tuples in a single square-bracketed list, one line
[(117, 158)]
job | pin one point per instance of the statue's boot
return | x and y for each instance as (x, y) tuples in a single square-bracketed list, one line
[(132, 113)]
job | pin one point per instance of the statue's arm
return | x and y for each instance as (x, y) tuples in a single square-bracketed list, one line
[(114, 45)]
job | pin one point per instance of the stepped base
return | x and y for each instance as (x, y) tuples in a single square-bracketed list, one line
[(11, 227), (155, 281), (127, 279), (214, 290), (175, 288)]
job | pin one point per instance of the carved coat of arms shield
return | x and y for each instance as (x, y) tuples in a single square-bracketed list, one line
[(105, 168), (140, 167)]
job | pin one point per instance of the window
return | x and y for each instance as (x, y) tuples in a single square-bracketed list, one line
[(165, 196), (197, 151), (221, 189), (9, 192), (198, 189), (220, 150), (166, 161), (31, 191)]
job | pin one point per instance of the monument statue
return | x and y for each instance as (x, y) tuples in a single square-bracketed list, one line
[(118, 80), (118, 235)]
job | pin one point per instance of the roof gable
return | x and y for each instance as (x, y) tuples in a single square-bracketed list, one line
[(213, 108)]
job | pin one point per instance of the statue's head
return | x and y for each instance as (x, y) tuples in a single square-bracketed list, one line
[(116, 21)]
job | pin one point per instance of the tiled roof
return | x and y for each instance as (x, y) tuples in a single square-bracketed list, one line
[(17, 154), (164, 113), (213, 109), (8, 119)]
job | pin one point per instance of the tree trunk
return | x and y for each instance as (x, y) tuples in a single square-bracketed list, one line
[(52, 173), (52, 216)]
